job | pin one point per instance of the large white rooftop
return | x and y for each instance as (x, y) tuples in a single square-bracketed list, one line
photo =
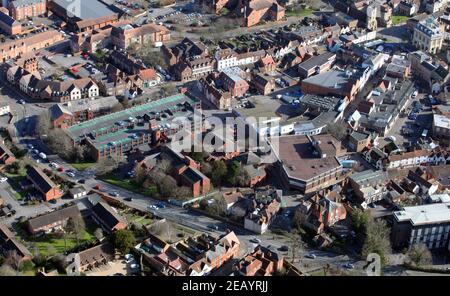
[(425, 214), (441, 121)]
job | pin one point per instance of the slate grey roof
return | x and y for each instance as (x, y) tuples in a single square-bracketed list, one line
[(44, 183), (53, 217), (108, 216)]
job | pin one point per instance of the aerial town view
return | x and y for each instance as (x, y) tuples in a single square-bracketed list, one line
[(289, 138)]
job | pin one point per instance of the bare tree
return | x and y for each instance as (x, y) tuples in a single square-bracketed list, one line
[(108, 164), (420, 255), (44, 124), (13, 259), (98, 233), (76, 226), (164, 165), (140, 174), (6, 270), (117, 107)]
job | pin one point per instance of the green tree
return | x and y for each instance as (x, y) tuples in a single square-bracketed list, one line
[(123, 240), (234, 170), (360, 220), (219, 171), (14, 168)]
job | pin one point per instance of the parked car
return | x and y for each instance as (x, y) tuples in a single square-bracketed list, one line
[(284, 248), (3, 179), (128, 199), (212, 226), (114, 193), (70, 174), (255, 240), (311, 256)]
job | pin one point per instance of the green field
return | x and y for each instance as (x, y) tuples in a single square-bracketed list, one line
[(399, 19), (299, 12), (81, 166), (129, 185), (47, 242), (133, 218)]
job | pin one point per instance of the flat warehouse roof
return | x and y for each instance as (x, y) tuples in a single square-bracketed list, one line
[(299, 161), (85, 9)]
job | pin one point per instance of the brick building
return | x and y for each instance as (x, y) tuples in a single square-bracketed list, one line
[(21, 9), (6, 156), (14, 48), (309, 164), (107, 218), (255, 11), (52, 221), (232, 81), (48, 189), (8, 24)]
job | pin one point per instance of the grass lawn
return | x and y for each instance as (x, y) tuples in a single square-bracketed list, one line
[(14, 180), (45, 242), (81, 166), (133, 218), (129, 185), (399, 19), (299, 13)]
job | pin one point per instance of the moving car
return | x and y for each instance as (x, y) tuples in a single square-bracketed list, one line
[(349, 266), (212, 226), (114, 193), (128, 199), (70, 174), (160, 205)]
